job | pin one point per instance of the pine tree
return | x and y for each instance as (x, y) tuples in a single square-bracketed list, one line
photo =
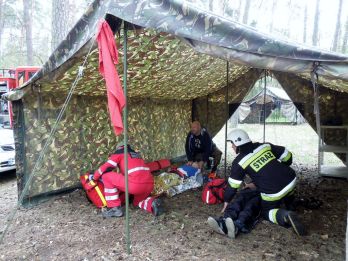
[(315, 36)]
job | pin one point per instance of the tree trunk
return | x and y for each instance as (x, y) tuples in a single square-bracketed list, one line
[(27, 21), (211, 6), (290, 17), (274, 4), (1, 20), (246, 12), (305, 18), (338, 28), (315, 36), (239, 11), (60, 21), (345, 38), (224, 7)]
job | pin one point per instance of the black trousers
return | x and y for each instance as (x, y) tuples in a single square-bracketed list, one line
[(275, 211), (245, 207), (216, 154)]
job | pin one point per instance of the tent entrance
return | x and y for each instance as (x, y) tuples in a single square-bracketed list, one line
[(275, 104), (284, 125)]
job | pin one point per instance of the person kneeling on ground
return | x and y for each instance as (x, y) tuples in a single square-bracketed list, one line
[(240, 215), (140, 183), (268, 166), (199, 147)]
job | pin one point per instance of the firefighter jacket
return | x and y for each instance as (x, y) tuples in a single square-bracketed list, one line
[(268, 166)]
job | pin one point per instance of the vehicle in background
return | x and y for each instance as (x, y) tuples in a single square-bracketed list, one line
[(7, 150), (10, 79), (5, 121)]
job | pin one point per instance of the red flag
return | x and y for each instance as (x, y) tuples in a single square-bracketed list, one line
[(108, 58)]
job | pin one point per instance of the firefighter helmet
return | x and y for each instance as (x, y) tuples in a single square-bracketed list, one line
[(238, 137)]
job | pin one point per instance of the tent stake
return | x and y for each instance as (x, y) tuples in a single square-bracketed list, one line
[(227, 114), (125, 124)]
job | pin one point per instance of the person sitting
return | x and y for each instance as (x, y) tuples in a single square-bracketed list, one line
[(268, 166), (199, 147), (240, 215), (140, 183)]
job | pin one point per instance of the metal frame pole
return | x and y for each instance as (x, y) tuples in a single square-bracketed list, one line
[(264, 109), (125, 125), (227, 114)]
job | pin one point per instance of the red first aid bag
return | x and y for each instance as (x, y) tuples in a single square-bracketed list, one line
[(158, 165), (94, 190), (213, 191)]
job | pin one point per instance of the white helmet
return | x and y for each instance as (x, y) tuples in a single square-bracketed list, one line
[(238, 137)]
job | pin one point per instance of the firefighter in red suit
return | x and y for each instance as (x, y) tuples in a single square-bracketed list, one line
[(140, 183)]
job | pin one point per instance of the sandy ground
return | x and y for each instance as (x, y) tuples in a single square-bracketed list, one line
[(69, 228)]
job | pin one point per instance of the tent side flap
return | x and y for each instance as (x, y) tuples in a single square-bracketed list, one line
[(84, 138)]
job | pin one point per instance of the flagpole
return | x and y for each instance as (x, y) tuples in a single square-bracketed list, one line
[(125, 124)]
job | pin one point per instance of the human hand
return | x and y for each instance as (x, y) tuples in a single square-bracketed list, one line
[(189, 163), (224, 207), (200, 164), (250, 186)]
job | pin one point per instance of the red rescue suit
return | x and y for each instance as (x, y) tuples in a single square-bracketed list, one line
[(140, 180)]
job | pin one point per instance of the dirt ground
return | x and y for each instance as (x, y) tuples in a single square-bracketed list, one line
[(68, 227)]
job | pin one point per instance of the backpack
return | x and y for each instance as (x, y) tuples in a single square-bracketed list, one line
[(94, 194), (213, 191)]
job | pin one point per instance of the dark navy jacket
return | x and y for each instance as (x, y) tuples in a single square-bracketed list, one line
[(198, 144)]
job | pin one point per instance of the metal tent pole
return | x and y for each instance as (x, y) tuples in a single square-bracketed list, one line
[(264, 109), (314, 79), (227, 114), (125, 125)]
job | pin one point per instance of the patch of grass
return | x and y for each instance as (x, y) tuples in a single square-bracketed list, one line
[(301, 140)]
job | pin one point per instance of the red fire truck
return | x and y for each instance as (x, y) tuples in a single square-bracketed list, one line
[(10, 79)]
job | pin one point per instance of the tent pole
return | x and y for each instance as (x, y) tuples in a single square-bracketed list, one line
[(264, 108), (125, 124), (227, 114)]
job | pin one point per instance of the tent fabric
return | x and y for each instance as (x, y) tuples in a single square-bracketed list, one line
[(279, 93), (177, 61), (215, 35), (206, 32), (108, 58)]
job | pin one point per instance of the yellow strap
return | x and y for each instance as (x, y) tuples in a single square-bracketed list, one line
[(100, 195)]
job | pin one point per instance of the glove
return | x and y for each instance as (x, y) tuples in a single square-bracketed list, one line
[(91, 177)]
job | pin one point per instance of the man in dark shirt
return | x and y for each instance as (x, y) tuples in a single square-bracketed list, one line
[(268, 166), (199, 147)]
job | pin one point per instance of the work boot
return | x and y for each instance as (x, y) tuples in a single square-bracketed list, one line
[(113, 212), (157, 207), (296, 224), (241, 226), (218, 225), (232, 230)]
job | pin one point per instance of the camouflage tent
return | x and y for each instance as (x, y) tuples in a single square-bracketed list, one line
[(177, 72)]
